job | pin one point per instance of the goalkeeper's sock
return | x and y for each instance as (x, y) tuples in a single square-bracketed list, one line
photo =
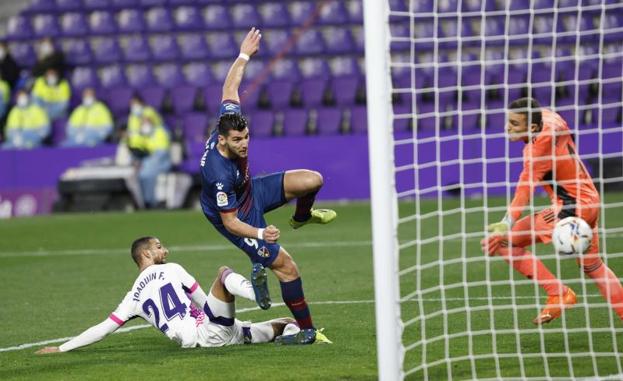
[(292, 294), (532, 268), (303, 207), (237, 285), (609, 285)]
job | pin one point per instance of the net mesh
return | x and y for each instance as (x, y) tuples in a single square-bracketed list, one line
[(455, 66)]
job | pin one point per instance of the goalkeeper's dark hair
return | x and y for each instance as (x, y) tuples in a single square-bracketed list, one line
[(231, 121), (138, 246), (530, 108)]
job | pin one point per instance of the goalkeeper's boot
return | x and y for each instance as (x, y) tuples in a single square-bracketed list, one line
[(318, 216), (259, 280), (555, 305)]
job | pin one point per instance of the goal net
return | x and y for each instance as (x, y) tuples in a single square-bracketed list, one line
[(440, 74)]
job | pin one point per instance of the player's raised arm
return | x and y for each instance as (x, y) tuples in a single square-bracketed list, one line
[(250, 45), (90, 336)]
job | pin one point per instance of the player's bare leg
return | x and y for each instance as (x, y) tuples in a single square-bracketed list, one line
[(303, 185)]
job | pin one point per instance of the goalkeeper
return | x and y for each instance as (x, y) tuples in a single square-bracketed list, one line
[(550, 160)]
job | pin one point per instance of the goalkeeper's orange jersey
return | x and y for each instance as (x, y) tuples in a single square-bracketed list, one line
[(550, 160)]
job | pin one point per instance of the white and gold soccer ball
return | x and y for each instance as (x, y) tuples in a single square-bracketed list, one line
[(572, 235)]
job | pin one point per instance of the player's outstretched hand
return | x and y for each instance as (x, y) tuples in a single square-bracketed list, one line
[(251, 43), (271, 234), (47, 350)]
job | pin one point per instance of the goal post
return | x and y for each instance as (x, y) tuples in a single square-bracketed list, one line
[(383, 191)]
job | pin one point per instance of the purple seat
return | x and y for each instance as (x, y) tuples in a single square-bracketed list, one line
[(422, 6), (612, 23), (180, 2), (358, 39), (74, 24), (152, 95), (220, 70), (198, 73), (95, 4), (274, 15), (155, 3), (256, 71), (130, 21), (112, 76), (354, 9), (45, 26), (123, 4), (610, 115), (159, 20), (139, 75), (183, 98), (105, 50), (312, 91), (169, 75), (301, 11), (193, 46), (212, 95), (68, 5), (187, 18), (216, 17), (19, 27), (286, 69), (310, 42), (402, 123), (359, 119), (345, 90), (102, 22), (294, 122), (77, 51), (425, 119), (338, 40), (279, 93), (569, 117), (344, 66), (23, 53), (249, 97), (135, 49), (328, 121), (222, 45), (400, 34), (275, 40), (314, 68), (333, 12), (118, 100), (195, 126), (244, 15), (261, 123), (164, 47), (83, 77), (477, 5)]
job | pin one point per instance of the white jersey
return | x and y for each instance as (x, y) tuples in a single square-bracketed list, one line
[(160, 296)]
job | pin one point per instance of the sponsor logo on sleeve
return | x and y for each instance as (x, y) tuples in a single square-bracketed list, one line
[(263, 252), (221, 199)]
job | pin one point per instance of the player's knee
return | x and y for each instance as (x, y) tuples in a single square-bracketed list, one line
[(287, 267), (313, 180), (222, 269)]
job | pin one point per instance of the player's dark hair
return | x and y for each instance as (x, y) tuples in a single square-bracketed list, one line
[(138, 246), (232, 121), (528, 107)]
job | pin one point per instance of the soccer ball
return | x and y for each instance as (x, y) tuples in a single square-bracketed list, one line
[(572, 235)]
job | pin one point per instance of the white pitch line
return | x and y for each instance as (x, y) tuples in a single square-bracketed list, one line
[(243, 310), (176, 249)]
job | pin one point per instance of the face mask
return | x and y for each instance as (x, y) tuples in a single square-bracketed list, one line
[(137, 109), (51, 80), (22, 101), (146, 129), (88, 101)]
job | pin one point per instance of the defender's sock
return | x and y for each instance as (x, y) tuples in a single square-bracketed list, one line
[(237, 285), (532, 268), (303, 207), (609, 285), (292, 294)]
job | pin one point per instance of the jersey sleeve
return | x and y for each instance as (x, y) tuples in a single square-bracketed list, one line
[(230, 107), (125, 311), (537, 163), (189, 283), (224, 194)]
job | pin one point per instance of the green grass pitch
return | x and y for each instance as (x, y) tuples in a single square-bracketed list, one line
[(62, 274)]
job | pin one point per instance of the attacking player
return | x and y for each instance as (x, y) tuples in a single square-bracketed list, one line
[(550, 160), (167, 297), (235, 203)]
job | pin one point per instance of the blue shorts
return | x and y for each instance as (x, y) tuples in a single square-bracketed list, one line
[(268, 194)]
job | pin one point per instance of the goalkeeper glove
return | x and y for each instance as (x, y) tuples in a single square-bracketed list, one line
[(501, 227)]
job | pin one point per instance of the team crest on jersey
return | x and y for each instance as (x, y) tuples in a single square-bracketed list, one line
[(263, 252), (219, 186), (221, 199)]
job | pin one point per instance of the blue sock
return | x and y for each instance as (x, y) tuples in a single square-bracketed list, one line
[(292, 294)]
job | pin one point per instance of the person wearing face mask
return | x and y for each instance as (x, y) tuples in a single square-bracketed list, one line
[(48, 58), (138, 110), (27, 124), (149, 144), (90, 123), (9, 70), (52, 93), (5, 97)]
